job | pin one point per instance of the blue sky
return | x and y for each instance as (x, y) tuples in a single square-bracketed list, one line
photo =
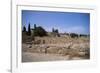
[(63, 21)]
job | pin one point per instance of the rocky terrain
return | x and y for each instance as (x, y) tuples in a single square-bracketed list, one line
[(56, 48)]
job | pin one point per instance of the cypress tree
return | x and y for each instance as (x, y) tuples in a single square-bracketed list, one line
[(29, 29)]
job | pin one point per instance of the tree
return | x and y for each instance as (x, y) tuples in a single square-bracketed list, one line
[(29, 30), (56, 31), (53, 30), (24, 29), (34, 26), (39, 31)]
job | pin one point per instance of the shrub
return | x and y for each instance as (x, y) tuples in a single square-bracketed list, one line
[(73, 35)]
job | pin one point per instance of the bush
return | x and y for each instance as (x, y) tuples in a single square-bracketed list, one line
[(74, 35)]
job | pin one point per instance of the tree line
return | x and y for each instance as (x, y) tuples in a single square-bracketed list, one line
[(37, 31), (40, 31)]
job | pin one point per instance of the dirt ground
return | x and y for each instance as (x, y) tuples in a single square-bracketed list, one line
[(38, 57)]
